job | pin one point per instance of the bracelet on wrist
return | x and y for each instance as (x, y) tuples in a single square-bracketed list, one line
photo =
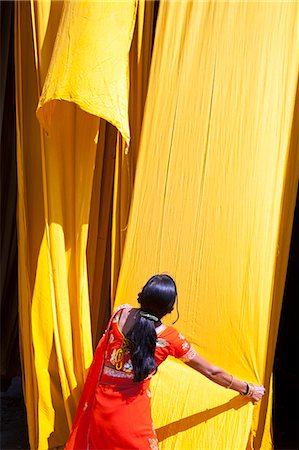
[(246, 391), (251, 390), (231, 383)]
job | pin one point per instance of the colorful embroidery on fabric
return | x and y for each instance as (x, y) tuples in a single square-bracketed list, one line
[(191, 353), (116, 373), (162, 343), (128, 366), (113, 357), (185, 345), (120, 353)]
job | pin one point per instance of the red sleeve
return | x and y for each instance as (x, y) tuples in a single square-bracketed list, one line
[(171, 342)]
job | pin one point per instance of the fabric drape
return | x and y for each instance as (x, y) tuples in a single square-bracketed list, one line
[(126, 158), (114, 180), (55, 181), (213, 201), (91, 72)]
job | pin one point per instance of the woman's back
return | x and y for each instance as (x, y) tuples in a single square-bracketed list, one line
[(118, 355)]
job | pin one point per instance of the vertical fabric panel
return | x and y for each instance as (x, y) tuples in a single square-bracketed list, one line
[(99, 235), (55, 180), (114, 178), (213, 201), (126, 158), (30, 212)]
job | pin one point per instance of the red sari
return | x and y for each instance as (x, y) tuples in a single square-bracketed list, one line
[(114, 412)]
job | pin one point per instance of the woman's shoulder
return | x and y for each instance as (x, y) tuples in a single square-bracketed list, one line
[(121, 314), (174, 343), (172, 333), (124, 306), (120, 308), (168, 333)]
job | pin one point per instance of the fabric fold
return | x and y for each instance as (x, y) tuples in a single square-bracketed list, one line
[(90, 62), (216, 170)]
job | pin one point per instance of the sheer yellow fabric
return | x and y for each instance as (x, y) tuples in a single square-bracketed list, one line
[(213, 200), (55, 181)]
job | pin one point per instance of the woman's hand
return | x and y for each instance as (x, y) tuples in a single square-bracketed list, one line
[(258, 392)]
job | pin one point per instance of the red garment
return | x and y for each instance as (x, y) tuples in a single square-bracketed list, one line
[(114, 412)]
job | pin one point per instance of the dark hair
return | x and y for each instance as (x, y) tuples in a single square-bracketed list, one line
[(157, 298)]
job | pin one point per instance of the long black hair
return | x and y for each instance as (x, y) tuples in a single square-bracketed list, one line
[(156, 299)]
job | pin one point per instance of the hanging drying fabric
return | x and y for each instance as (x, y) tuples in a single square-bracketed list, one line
[(213, 201), (62, 47)]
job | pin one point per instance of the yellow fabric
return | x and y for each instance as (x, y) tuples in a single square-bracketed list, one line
[(90, 61), (113, 180), (55, 181), (99, 236), (213, 198), (126, 158), (213, 201)]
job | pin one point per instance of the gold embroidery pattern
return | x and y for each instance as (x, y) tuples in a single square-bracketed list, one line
[(119, 355)]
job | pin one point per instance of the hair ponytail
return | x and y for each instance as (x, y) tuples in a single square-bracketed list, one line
[(142, 338), (156, 299)]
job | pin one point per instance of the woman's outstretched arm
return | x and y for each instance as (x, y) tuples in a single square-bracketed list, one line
[(225, 379)]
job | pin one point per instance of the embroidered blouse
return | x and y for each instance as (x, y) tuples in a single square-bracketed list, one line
[(118, 358)]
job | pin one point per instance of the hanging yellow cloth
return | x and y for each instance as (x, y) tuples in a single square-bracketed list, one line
[(213, 200), (114, 179), (89, 65), (55, 180), (125, 164)]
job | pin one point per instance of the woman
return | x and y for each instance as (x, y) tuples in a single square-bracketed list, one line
[(114, 410)]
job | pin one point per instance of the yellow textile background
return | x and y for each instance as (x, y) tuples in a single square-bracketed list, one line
[(125, 164), (89, 65), (113, 181), (213, 201), (55, 196)]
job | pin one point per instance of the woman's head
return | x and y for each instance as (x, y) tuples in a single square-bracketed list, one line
[(157, 298), (158, 295)]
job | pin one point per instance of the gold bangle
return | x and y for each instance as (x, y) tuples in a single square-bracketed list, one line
[(231, 383)]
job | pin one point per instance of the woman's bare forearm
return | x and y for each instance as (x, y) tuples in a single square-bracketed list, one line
[(225, 379)]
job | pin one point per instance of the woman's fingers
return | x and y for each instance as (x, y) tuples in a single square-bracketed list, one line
[(258, 393)]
